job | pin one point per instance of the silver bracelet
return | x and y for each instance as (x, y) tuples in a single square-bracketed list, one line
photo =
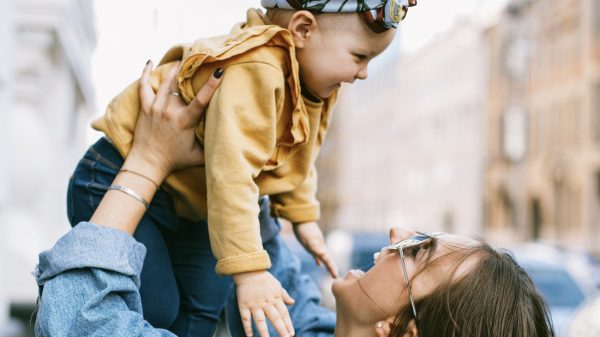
[(131, 193)]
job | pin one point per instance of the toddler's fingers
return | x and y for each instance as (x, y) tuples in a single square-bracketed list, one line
[(287, 320), (146, 93), (287, 299), (276, 317), (261, 323), (330, 264), (246, 316)]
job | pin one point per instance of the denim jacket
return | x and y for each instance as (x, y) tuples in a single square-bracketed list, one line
[(89, 285)]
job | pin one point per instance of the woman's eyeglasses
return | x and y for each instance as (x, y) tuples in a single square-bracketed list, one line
[(412, 243)]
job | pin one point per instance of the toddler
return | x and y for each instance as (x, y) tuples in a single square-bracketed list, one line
[(261, 135)]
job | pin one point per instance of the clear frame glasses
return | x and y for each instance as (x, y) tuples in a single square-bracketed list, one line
[(413, 242)]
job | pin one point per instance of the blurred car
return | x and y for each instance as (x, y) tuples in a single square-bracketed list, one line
[(563, 278), (355, 250), (561, 292), (585, 322)]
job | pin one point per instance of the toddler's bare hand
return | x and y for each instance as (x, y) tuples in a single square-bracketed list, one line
[(311, 237), (260, 296)]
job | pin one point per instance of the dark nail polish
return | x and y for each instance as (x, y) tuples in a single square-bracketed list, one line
[(147, 63), (218, 73)]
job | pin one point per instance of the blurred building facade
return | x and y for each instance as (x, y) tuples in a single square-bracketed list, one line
[(5, 25), (46, 98), (543, 122), (406, 147)]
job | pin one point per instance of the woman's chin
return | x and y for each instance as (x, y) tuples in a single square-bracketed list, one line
[(355, 273), (350, 277)]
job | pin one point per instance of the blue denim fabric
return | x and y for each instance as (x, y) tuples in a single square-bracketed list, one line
[(89, 286), (179, 288), (310, 319)]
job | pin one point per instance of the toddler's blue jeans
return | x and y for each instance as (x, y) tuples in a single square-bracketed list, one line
[(180, 290)]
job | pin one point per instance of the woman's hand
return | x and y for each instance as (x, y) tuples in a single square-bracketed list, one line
[(164, 138), (164, 141)]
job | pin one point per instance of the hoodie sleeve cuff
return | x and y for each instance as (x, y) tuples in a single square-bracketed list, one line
[(244, 263), (91, 246), (297, 213)]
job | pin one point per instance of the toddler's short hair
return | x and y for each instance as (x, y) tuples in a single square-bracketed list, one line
[(379, 15)]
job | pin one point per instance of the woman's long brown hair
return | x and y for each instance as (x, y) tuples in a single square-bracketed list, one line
[(496, 298)]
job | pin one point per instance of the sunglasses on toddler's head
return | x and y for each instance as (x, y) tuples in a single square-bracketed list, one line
[(380, 15), (410, 245), (388, 15)]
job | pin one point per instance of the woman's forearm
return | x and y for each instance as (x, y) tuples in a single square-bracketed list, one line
[(120, 210)]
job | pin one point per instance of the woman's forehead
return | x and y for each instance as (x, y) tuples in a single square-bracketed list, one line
[(410, 238), (458, 240)]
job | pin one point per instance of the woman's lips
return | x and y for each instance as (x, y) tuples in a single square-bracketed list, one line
[(355, 273)]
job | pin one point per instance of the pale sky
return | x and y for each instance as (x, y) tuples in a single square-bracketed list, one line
[(133, 31)]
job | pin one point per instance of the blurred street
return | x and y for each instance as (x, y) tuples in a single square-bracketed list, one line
[(482, 119)]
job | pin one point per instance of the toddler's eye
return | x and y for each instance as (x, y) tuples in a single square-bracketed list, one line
[(360, 57)]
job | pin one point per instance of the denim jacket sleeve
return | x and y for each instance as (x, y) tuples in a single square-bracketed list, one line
[(89, 285)]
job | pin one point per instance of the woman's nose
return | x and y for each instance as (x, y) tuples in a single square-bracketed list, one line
[(398, 234)]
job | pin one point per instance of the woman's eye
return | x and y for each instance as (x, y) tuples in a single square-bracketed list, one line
[(415, 251)]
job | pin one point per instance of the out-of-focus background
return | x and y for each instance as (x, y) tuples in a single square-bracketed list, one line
[(483, 118)]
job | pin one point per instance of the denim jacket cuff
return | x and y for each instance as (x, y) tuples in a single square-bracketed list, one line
[(91, 246)]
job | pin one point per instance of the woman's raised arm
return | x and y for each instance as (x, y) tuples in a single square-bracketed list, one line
[(89, 281)]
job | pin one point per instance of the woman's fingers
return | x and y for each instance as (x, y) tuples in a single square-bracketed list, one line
[(196, 108), (146, 92), (162, 94)]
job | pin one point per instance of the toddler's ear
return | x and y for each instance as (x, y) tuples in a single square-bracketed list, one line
[(302, 25)]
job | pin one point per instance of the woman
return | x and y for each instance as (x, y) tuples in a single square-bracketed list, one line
[(440, 285), (424, 285)]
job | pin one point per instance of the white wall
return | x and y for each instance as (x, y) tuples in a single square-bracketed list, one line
[(5, 59), (412, 140), (50, 90)]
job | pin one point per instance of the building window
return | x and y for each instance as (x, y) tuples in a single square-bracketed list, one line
[(598, 185), (536, 219), (597, 17), (596, 111)]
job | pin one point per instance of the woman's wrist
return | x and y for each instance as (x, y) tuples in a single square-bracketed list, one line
[(147, 165), (125, 203)]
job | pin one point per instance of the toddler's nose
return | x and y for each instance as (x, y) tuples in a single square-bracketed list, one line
[(362, 74)]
